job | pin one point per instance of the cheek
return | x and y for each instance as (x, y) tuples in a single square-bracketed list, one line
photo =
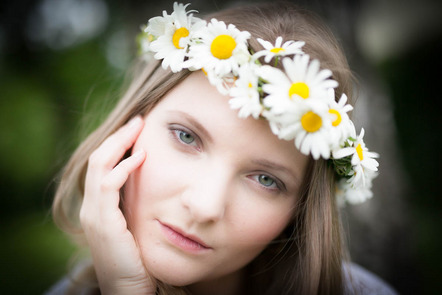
[(148, 184), (254, 225), (265, 221), (154, 180), (258, 222)]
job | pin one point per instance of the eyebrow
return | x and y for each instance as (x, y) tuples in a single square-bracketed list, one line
[(197, 125)]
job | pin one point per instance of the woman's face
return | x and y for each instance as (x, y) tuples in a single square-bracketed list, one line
[(214, 190)]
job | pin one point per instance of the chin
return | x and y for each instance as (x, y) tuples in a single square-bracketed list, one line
[(172, 273), (173, 278)]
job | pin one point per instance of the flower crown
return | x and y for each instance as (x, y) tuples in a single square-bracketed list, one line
[(298, 101)]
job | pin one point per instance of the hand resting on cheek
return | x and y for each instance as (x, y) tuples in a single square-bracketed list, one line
[(114, 251)]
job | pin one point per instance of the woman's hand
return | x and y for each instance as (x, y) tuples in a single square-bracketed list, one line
[(115, 254)]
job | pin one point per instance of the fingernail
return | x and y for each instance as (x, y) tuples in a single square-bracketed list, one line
[(134, 122), (138, 153)]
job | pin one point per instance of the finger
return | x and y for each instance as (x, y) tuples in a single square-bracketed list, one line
[(116, 145), (118, 176), (105, 193)]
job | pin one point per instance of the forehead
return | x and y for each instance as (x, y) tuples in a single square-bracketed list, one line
[(195, 93)]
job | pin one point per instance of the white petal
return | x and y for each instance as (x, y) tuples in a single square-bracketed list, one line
[(342, 153)]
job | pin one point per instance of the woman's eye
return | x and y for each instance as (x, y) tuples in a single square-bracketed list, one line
[(185, 137), (266, 180)]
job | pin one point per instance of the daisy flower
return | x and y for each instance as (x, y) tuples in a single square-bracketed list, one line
[(223, 83), (302, 80), (143, 43), (343, 127), (346, 192), (309, 124), (360, 177), (360, 154), (270, 50), (313, 133), (220, 48), (157, 25), (175, 32), (245, 94), (362, 160)]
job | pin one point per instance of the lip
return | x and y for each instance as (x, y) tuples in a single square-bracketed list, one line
[(182, 240)]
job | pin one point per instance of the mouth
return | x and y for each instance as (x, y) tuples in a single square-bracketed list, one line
[(186, 242)]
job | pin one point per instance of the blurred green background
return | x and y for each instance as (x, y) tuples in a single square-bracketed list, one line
[(62, 63)]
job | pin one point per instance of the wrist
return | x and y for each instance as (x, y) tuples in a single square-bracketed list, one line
[(128, 286)]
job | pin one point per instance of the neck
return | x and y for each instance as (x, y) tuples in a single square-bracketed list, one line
[(230, 284)]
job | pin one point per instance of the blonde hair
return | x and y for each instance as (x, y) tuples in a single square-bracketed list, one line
[(307, 257)]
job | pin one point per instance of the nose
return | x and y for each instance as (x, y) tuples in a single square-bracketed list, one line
[(207, 195)]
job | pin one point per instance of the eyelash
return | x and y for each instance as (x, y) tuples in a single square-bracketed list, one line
[(277, 186), (176, 131)]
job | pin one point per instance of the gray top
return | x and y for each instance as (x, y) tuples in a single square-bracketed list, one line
[(358, 281), (362, 282)]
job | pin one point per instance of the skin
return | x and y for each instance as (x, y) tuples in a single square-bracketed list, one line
[(231, 187)]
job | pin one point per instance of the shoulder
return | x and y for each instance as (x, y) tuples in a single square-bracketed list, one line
[(67, 286), (360, 281), (80, 280)]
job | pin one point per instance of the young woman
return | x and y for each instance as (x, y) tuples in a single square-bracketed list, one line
[(176, 194)]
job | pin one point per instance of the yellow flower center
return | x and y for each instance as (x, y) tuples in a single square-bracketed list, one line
[(276, 50), (338, 117), (311, 122), (250, 85), (179, 33), (299, 88), (223, 46), (360, 153)]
